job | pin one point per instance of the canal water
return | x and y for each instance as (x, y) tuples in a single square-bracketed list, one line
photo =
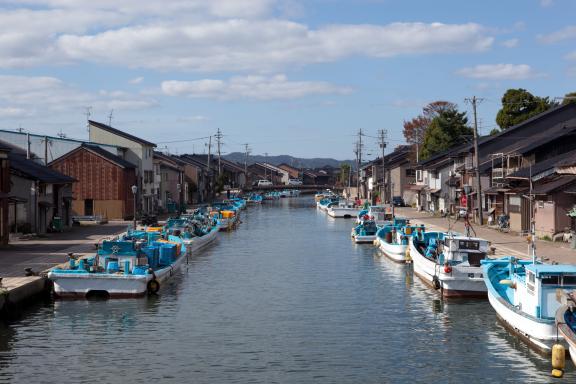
[(287, 298)]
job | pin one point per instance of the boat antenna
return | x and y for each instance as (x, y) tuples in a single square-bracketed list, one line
[(532, 223)]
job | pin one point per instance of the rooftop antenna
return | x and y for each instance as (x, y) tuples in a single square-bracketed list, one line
[(110, 117), (61, 134), (20, 129), (88, 113)]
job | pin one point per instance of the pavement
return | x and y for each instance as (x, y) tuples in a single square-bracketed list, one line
[(51, 250), (506, 244)]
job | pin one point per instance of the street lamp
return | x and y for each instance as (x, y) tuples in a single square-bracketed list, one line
[(134, 191)]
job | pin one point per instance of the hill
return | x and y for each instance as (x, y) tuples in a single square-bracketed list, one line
[(287, 159)]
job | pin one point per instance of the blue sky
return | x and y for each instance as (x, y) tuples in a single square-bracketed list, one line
[(285, 76)]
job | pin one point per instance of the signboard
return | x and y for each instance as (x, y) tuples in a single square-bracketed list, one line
[(463, 201)]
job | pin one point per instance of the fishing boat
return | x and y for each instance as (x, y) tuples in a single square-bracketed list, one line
[(323, 194), (197, 232), (380, 214), (131, 266), (525, 295), (324, 203), (449, 262), (393, 239), (566, 318), (365, 232), (343, 208), (254, 198)]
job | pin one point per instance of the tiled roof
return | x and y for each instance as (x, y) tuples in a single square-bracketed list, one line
[(109, 156), (555, 184), (33, 170), (120, 133)]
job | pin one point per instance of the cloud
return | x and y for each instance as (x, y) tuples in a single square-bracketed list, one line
[(511, 43), (499, 72), (265, 45), (250, 87), (29, 96), (136, 80), (554, 37), (546, 3), (571, 56), (193, 119)]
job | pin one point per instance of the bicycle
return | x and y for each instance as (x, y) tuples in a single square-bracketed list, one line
[(504, 223)]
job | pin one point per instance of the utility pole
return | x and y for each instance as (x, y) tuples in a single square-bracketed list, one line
[(209, 172), (219, 143), (88, 113), (383, 189), (28, 145), (266, 165), (474, 101), (359, 156), (247, 153)]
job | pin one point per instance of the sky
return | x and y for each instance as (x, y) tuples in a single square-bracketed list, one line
[(297, 77)]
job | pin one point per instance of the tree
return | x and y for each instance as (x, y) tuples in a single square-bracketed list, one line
[(519, 105), (569, 98), (447, 129), (414, 131)]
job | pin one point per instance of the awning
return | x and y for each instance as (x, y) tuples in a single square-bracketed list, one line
[(416, 187), (491, 211), (516, 191), (495, 191)]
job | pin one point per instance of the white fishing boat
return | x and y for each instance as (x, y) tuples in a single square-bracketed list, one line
[(344, 208), (449, 262), (121, 269), (526, 296), (365, 232), (324, 203), (393, 239), (566, 319), (380, 214)]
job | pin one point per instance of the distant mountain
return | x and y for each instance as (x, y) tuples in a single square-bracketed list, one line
[(287, 159)]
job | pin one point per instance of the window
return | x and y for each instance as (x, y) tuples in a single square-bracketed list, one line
[(419, 175), (514, 204), (569, 280), (410, 172), (551, 280)]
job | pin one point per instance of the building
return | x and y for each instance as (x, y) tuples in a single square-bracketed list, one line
[(196, 179), (5, 198), (169, 183), (103, 182), (40, 197), (137, 151)]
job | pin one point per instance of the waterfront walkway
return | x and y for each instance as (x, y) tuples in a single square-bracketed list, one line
[(46, 252), (506, 244)]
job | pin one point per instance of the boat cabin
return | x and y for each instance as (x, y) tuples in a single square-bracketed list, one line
[(537, 288), (450, 248), (380, 213)]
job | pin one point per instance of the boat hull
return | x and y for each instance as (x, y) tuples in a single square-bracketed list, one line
[(463, 281), (358, 239), (395, 252), (197, 243), (346, 213), (115, 285), (566, 332)]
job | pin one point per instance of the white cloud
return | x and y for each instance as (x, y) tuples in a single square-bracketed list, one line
[(250, 87), (571, 56), (136, 80), (28, 96), (265, 45), (554, 37), (9, 112), (499, 72), (511, 43), (546, 3)]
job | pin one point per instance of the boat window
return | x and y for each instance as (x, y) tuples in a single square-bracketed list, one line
[(469, 244), (569, 280), (551, 280), (531, 277)]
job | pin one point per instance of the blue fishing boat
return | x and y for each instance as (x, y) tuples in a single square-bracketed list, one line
[(136, 264), (525, 295), (566, 321), (254, 198), (365, 232), (393, 239)]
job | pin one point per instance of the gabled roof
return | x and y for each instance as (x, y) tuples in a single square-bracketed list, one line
[(191, 161), (554, 185), (547, 166), (167, 160), (31, 169), (120, 133), (226, 164), (98, 151), (35, 171)]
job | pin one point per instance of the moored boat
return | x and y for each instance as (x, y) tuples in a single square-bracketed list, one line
[(365, 232), (129, 267), (449, 262), (343, 208), (566, 321), (524, 295), (393, 239)]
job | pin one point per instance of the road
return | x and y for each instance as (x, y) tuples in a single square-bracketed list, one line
[(43, 253), (506, 244)]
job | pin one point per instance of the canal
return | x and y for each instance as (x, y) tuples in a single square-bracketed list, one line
[(287, 298)]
